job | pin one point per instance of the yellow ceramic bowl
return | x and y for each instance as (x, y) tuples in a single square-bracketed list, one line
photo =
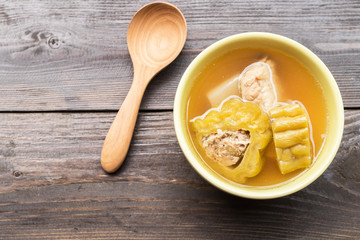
[(335, 110)]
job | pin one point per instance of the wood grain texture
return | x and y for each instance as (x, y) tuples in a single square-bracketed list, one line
[(155, 37), (52, 186), (70, 59), (72, 55)]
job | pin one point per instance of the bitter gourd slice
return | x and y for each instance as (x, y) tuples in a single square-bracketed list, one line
[(291, 133), (233, 115)]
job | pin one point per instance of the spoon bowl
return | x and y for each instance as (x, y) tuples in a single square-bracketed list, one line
[(156, 36)]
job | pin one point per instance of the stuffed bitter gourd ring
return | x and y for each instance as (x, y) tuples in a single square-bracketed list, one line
[(235, 115)]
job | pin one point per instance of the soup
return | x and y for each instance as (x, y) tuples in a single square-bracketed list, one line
[(293, 83)]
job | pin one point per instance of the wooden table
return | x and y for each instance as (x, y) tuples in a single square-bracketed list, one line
[(64, 72)]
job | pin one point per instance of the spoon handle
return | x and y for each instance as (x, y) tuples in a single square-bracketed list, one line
[(118, 139)]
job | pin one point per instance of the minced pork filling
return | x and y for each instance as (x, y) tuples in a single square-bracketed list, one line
[(226, 147)]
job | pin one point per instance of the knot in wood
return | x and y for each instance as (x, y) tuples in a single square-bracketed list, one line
[(17, 173), (54, 42)]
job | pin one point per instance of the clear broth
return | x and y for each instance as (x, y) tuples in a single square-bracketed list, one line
[(294, 82)]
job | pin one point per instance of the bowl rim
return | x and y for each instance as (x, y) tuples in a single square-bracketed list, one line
[(243, 191)]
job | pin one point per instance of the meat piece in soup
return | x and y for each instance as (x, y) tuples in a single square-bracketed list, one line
[(256, 85), (226, 147)]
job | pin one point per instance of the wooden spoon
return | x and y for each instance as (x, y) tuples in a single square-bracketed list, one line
[(155, 37)]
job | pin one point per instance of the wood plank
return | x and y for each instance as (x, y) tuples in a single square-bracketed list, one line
[(52, 186), (72, 55)]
